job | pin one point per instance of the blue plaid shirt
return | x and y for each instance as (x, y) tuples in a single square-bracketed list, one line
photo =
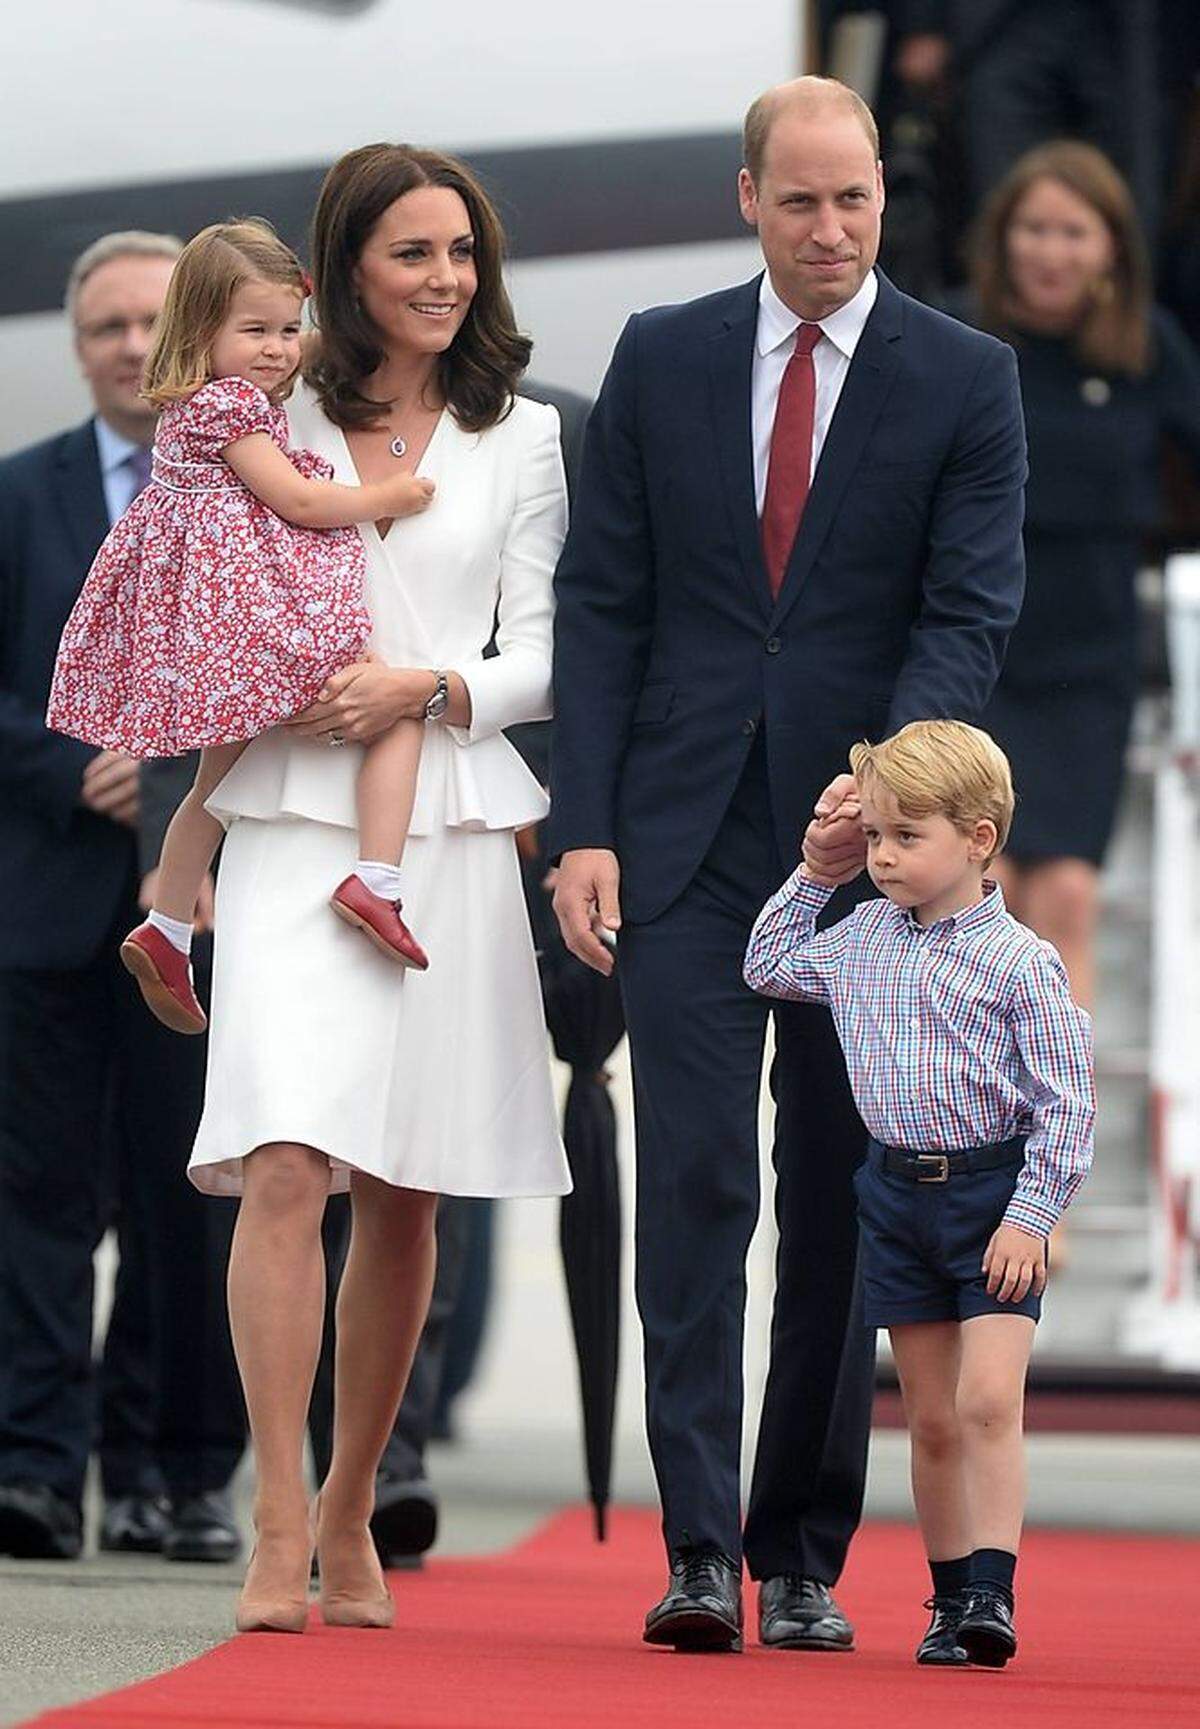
[(957, 1034)]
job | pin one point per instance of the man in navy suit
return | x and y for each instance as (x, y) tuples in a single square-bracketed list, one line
[(798, 524), (88, 1081)]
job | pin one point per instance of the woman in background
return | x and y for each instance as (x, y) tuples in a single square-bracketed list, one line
[(1060, 270)]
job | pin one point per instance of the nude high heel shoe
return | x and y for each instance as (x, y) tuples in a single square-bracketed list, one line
[(342, 1608), (262, 1610)]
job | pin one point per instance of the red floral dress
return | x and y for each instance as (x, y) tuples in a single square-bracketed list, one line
[(206, 618)]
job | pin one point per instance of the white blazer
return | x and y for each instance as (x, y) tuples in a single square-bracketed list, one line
[(435, 584)]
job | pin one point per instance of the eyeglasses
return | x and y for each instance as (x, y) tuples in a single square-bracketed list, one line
[(113, 330)]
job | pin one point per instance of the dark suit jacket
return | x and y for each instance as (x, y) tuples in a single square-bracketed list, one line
[(63, 870), (905, 579)]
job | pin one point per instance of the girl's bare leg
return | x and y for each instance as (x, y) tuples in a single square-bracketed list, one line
[(387, 788), (192, 837), (381, 1308), (927, 1357), (991, 1405), (276, 1311)]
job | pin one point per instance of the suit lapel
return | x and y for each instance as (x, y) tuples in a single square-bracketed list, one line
[(731, 353), (80, 491), (868, 383)]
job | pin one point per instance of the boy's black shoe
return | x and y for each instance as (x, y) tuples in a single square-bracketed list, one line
[(986, 1632), (702, 1608), (940, 1647)]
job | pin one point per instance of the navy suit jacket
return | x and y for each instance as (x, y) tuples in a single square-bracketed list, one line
[(670, 654), (63, 869)]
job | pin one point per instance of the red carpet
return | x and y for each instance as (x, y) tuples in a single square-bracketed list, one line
[(547, 1635)]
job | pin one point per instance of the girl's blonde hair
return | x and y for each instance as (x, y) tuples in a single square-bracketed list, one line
[(210, 270), (942, 768)]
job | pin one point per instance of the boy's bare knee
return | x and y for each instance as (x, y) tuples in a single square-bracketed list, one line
[(934, 1430), (986, 1408)]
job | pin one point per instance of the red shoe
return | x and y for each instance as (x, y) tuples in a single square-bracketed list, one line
[(379, 919), (165, 978)]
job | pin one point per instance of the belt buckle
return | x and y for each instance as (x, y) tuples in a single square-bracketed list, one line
[(942, 1172)]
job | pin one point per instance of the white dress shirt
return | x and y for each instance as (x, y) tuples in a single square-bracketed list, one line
[(773, 348), (120, 482)]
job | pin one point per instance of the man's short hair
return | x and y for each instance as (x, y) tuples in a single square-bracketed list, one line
[(809, 95), (942, 768), (127, 243)]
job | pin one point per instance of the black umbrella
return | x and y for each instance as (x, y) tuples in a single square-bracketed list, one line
[(586, 1022)]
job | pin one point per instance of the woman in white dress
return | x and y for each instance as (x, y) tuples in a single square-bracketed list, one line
[(330, 1066)]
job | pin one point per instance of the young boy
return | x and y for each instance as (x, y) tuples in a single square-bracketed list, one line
[(971, 1067)]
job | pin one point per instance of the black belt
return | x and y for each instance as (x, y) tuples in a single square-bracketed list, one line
[(939, 1167)]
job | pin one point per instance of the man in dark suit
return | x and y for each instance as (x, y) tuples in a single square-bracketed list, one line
[(94, 1096), (798, 524)]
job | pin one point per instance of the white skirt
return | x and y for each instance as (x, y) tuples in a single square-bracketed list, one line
[(437, 1081)]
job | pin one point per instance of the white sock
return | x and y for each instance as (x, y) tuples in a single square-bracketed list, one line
[(381, 879), (177, 931)]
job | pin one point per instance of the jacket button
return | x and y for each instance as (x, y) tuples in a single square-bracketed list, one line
[(772, 645), (749, 728)]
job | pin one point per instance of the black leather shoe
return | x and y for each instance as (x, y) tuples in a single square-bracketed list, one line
[(203, 1528), (134, 1525), (38, 1524), (405, 1521), (702, 1610), (986, 1632), (797, 1614), (940, 1647)]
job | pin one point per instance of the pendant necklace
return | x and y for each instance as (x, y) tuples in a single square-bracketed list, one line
[(398, 446)]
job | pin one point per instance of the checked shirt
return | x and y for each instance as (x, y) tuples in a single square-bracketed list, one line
[(957, 1034)]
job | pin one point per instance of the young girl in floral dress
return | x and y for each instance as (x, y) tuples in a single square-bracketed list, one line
[(229, 592)]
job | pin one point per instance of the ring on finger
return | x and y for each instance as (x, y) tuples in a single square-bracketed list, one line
[(337, 738)]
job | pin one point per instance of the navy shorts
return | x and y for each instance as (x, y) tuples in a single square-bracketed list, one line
[(922, 1243)]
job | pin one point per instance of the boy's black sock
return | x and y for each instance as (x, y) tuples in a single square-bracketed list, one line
[(994, 1567), (950, 1578)]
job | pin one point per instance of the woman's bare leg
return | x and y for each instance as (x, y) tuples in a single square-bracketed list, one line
[(276, 1310), (192, 837), (387, 788), (381, 1308)]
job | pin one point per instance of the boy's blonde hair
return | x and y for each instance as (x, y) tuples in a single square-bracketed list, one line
[(210, 270), (942, 768)]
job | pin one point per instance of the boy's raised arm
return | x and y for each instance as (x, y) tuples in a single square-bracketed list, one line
[(787, 956)]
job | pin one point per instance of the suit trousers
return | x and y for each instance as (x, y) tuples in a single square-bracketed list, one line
[(96, 1096), (697, 1036)]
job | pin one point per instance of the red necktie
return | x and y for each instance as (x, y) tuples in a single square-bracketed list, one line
[(791, 456)]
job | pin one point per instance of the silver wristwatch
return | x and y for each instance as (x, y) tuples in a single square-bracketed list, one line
[(438, 703)]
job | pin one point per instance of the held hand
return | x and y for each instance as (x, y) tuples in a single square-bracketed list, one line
[(587, 902), (364, 700), (834, 846), (1015, 1262), (409, 494), (111, 787)]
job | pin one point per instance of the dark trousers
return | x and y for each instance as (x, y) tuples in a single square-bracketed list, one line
[(404, 1455), (697, 1036), (97, 1101), (1062, 69)]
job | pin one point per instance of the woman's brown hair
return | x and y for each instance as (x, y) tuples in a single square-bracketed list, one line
[(478, 373), (207, 274), (1113, 334)]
